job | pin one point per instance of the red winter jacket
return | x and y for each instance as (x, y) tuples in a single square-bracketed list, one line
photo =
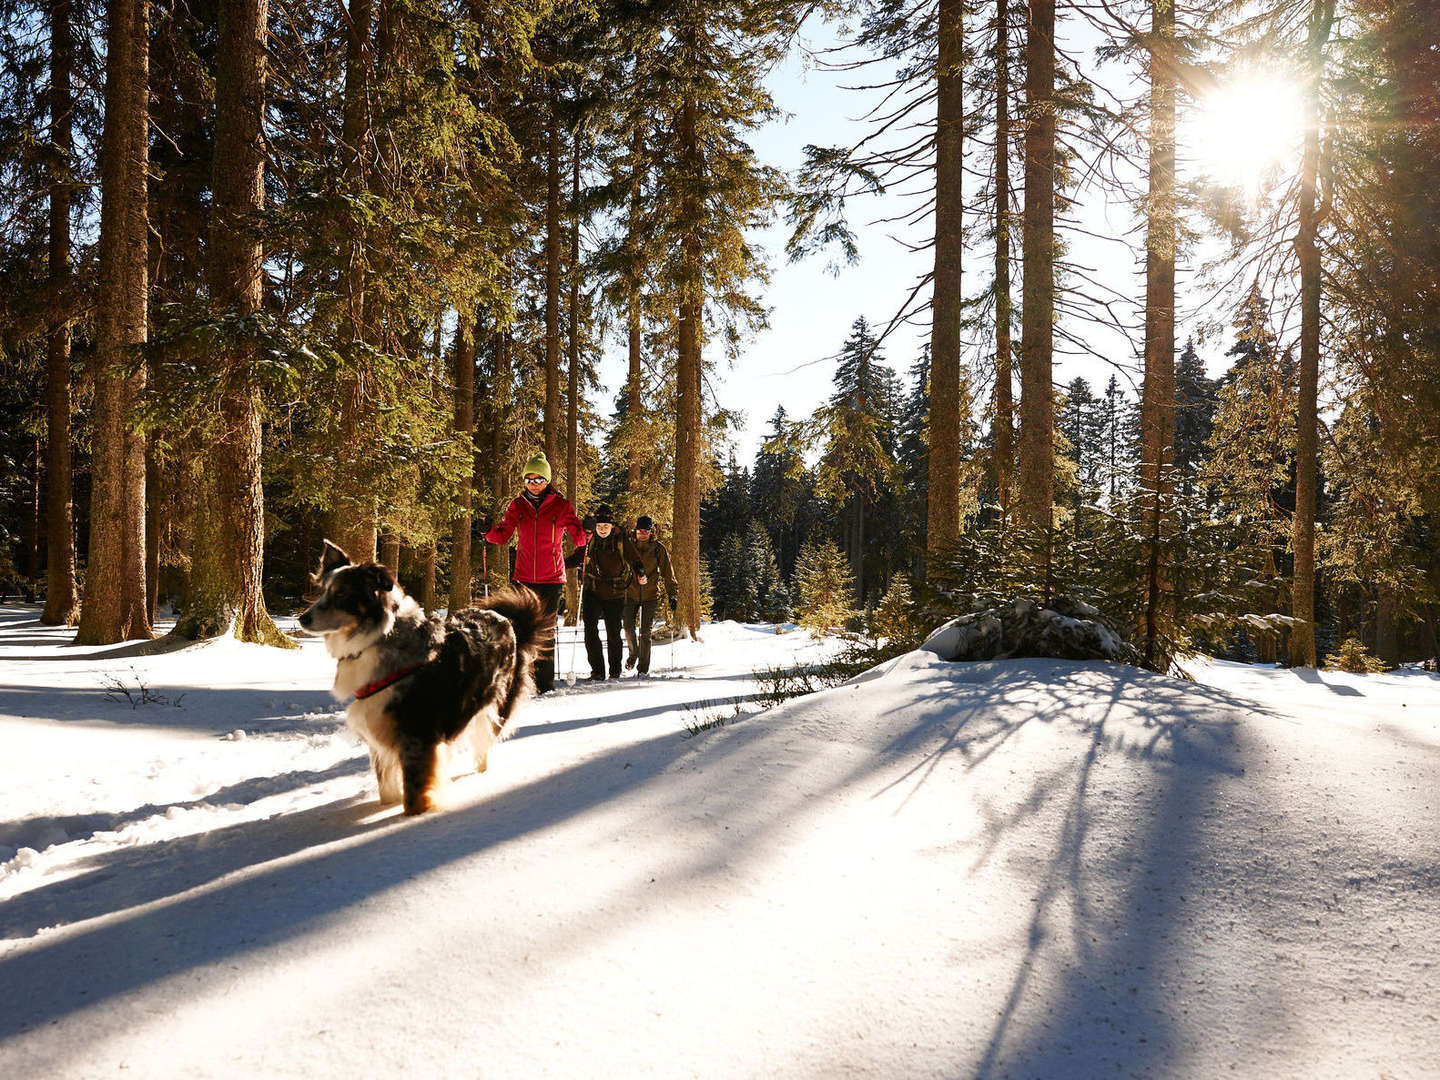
[(539, 559)]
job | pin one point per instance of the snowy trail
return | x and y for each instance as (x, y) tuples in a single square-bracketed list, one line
[(1025, 868)]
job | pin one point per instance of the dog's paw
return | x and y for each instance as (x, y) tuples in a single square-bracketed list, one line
[(423, 804)]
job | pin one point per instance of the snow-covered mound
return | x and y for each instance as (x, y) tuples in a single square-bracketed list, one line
[(1067, 630), (1029, 868)]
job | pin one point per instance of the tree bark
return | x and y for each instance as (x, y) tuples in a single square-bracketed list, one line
[(572, 396), (353, 514), (1037, 394), (390, 553), (1003, 429), (460, 570), (62, 594), (428, 558), (1302, 590), (1157, 407), (1387, 625), (572, 452), (685, 527), (943, 510), (632, 320), (223, 591), (114, 603), (552, 289)]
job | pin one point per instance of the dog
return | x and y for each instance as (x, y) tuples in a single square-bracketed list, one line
[(420, 683)]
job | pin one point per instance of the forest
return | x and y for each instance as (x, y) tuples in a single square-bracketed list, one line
[(273, 271)]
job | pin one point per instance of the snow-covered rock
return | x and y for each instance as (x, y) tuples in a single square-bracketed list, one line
[(1067, 630)]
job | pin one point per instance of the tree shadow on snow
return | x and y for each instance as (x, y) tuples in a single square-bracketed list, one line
[(35, 832), (265, 710), (1103, 1015), (266, 904)]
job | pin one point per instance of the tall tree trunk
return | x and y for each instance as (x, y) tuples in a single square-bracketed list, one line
[(499, 478), (32, 525), (632, 320), (1157, 405), (685, 527), (390, 553), (1037, 393), (62, 594), (943, 509), (114, 604), (1003, 429), (552, 288), (428, 558), (572, 397), (1387, 625), (154, 509), (460, 570), (572, 442), (353, 515), (1302, 590), (227, 553)]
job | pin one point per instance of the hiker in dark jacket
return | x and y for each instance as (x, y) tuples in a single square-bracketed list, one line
[(652, 565), (538, 518), (608, 560)]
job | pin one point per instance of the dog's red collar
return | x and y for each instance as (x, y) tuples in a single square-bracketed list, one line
[(385, 680)]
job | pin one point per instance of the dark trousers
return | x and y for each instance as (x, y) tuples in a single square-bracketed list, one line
[(544, 668), (639, 643), (593, 608)]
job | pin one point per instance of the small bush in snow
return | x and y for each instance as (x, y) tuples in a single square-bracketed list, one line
[(1355, 658), (898, 618), (823, 587)]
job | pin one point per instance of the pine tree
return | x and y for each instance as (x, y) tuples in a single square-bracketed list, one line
[(1195, 405), (114, 606), (1037, 414), (1302, 591), (772, 599), (823, 587), (223, 590), (780, 490), (1250, 468), (858, 428), (62, 599), (1157, 405)]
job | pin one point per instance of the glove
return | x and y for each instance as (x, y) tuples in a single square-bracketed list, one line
[(588, 523), (673, 605)]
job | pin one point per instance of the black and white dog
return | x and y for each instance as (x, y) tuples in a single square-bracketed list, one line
[(421, 683)]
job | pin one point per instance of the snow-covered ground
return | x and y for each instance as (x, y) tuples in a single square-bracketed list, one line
[(1026, 868)]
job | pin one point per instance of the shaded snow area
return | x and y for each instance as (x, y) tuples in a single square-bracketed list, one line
[(1015, 868)]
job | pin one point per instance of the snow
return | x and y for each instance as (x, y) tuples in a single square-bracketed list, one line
[(1027, 868)]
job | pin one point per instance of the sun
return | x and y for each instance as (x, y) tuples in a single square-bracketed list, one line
[(1241, 131)]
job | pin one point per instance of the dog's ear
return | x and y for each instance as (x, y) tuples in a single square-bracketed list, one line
[(333, 558), (381, 580)]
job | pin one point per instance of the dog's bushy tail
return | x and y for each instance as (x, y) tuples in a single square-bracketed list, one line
[(534, 629)]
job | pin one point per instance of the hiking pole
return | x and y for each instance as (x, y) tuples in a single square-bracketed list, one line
[(485, 566), (579, 614)]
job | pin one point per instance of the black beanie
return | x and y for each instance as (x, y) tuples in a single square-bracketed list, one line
[(604, 515), (644, 521)]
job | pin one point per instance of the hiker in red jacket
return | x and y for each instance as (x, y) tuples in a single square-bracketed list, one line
[(538, 518)]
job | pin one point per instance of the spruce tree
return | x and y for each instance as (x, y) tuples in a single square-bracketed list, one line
[(114, 606), (857, 430), (223, 589)]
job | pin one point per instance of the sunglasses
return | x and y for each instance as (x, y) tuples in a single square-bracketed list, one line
[(535, 480)]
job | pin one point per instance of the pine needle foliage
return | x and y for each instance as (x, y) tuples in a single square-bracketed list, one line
[(1353, 657), (824, 587)]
